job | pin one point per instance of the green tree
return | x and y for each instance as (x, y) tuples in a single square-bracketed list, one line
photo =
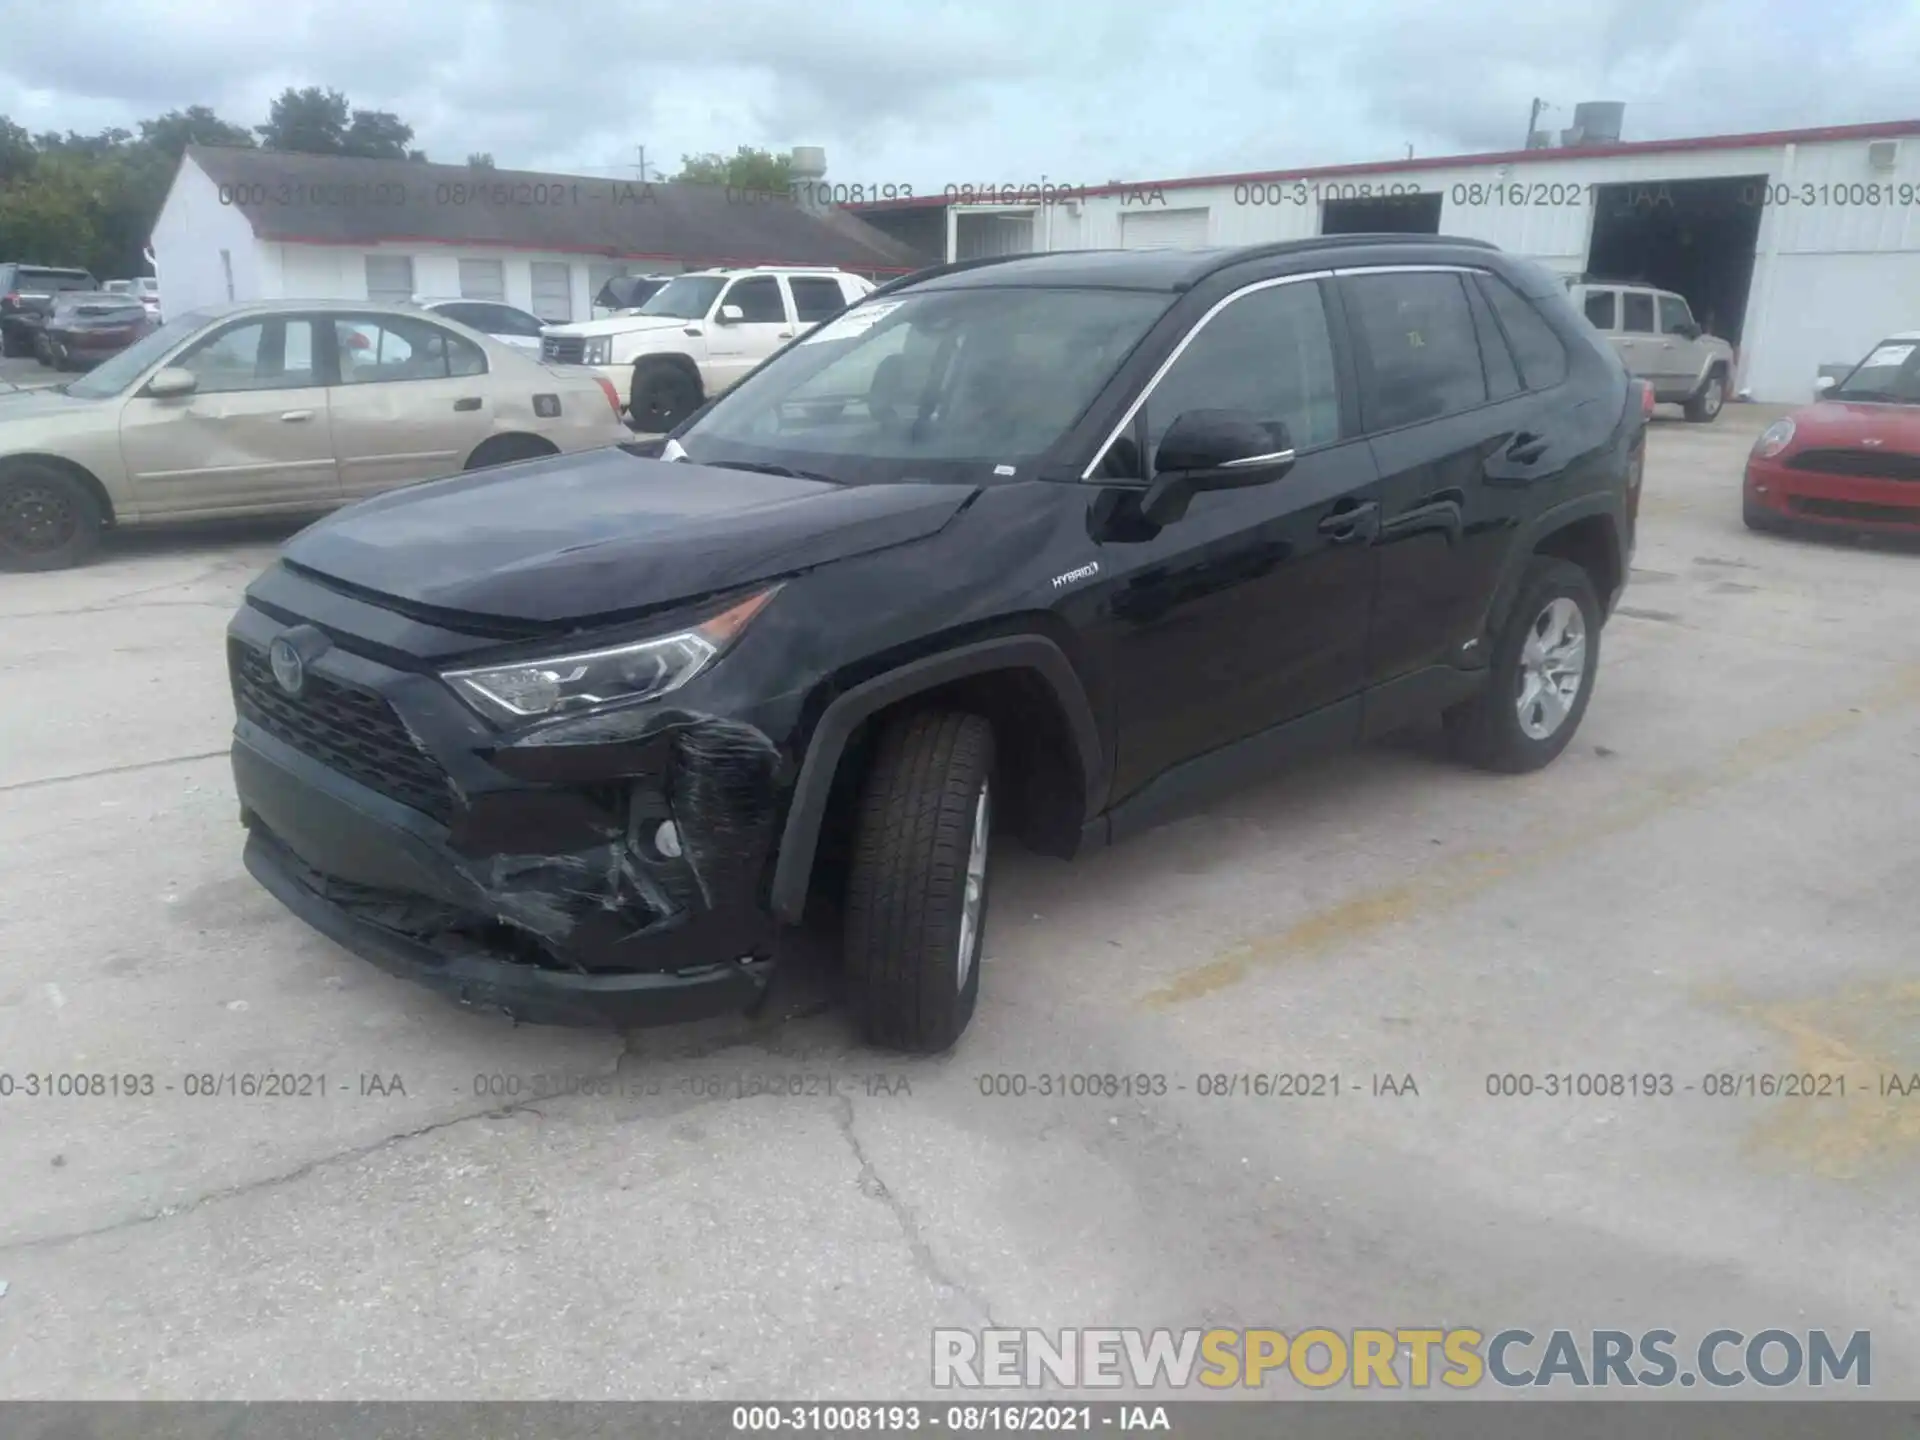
[(480, 160), (49, 215), (306, 122), (747, 168), (379, 135), (16, 152), (171, 133)]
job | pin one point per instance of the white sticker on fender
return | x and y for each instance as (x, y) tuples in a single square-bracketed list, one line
[(855, 322), (1888, 355)]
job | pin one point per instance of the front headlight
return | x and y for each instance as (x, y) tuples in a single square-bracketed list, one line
[(599, 350), (1775, 438), (582, 680)]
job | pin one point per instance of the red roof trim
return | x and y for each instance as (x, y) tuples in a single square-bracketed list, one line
[(599, 251), (1879, 130)]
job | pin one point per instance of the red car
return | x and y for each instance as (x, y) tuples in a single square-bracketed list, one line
[(1850, 461)]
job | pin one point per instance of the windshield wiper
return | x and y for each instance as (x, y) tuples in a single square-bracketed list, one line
[(759, 468), (1872, 397)]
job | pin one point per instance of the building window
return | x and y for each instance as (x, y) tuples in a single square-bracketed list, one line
[(390, 279), (553, 291), (483, 280)]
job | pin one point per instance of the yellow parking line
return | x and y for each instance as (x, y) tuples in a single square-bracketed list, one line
[(1452, 881)]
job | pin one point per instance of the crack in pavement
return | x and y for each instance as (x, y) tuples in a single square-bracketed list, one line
[(265, 1182), (875, 1188), (111, 770)]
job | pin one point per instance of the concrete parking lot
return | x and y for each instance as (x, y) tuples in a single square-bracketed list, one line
[(1718, 878)]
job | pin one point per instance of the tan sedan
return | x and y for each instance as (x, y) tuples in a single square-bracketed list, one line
[(276, 407)]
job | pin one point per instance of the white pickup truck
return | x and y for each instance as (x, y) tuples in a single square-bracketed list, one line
[(700, 333)]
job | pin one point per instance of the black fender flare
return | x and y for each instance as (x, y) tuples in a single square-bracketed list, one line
[(1609, 507), (807, 807)]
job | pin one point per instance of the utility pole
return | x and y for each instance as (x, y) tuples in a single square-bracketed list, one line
[(642, 152), (1533, 118)]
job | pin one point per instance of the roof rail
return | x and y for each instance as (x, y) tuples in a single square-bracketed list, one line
[(822, 269), (951, 267)]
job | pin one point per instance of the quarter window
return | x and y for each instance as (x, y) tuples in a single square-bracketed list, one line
[(1267, 354), (1503, 377), (1418, 334), (1536, 348)]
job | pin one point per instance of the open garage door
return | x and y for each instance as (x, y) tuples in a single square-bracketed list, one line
[(1163, 229), (1693, 237), (1382, 215)]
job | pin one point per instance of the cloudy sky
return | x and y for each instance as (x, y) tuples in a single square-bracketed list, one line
[(986, 92)]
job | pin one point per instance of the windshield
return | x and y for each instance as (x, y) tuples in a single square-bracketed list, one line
[(687, 298), (977, 377), (1890, 375), (115, 374)]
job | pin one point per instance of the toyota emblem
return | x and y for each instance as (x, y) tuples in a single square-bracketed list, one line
[(288, 668)]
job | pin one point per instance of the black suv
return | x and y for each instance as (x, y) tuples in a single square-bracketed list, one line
[(1047, 544), (26, 298)]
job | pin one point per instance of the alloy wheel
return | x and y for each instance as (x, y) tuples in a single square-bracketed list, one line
[(1553, 667)]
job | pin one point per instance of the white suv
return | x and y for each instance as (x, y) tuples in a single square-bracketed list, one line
[(700, 333)]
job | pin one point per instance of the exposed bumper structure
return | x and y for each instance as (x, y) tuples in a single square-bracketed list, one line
[(525, 874)]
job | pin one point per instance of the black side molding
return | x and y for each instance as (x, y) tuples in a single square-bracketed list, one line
[(794, 869)]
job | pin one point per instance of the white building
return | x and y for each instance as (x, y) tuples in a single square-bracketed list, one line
[(241, 224), (1800, 247)]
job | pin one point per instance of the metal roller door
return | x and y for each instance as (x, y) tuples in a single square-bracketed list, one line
[(1159, 229), (553, 291)]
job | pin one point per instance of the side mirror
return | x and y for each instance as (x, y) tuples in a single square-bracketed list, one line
[(730, 315), (1688, 331), (173, 383), (1213, 450), (1824, 384)]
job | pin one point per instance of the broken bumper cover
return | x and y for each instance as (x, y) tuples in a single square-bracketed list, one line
[(510, 875)]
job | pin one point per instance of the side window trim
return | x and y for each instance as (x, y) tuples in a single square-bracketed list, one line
[(266, 322), (1139, 402)]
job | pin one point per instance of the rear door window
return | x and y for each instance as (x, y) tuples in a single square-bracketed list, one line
[(1423, 355), (816, 298), (1636, 312)]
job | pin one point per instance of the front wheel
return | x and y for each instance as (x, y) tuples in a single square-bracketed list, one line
[(1542, 674), (48, 519), (1705, 404), (662, 396), (917, 888)]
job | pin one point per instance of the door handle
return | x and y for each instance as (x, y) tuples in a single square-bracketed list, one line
[(292, 415), (785, 335), (1353, 523), (1526, 448), (468, 402)]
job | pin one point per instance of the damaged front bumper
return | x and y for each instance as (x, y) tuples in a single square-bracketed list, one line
[(608, 870)]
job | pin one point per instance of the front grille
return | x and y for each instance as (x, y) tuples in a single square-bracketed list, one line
[(1855, 510), (352, 731), (1864, 464), (563, 349)]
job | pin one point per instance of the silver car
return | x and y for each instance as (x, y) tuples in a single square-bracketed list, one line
[(1660, 342), (276, 407)]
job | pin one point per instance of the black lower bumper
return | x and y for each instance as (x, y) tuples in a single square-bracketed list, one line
[(311, 830)]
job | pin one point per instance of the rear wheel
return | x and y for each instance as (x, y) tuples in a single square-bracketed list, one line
[(1541, 677), (917, 888), (1707, 400), (662, 396), (506, 449), (49, 519)]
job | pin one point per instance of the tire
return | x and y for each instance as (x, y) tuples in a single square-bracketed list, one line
[(1488, 731), (1705, 404), (662, 396), (508, 450), (49, 520), (920, 843)]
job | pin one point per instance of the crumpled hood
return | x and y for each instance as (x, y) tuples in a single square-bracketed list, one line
[(602, 533), (618, 325)]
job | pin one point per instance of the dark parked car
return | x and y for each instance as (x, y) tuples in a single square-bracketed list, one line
[(1052, 544), (26, 295), (85, 327), (629, 292)]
